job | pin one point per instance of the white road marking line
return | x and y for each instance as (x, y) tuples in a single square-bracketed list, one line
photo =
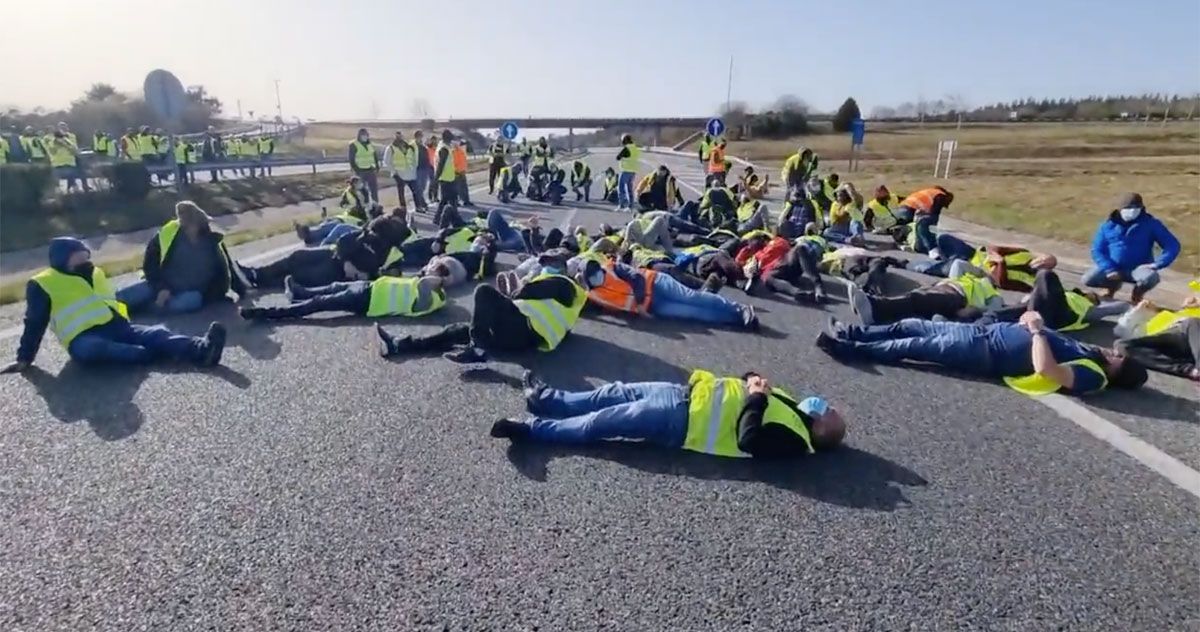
[(15, 330), (1166, 465)]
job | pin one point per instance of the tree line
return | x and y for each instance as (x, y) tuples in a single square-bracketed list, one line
[(1095, 107)]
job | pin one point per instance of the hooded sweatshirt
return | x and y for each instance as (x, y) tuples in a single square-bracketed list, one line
[(37, 302)]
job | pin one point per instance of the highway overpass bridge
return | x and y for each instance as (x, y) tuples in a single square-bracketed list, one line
[(652, 124)]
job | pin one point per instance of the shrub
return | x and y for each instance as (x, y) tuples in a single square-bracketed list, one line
[(23, 187), (129, 179)]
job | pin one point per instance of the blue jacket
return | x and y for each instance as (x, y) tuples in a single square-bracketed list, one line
[(1121, 246)]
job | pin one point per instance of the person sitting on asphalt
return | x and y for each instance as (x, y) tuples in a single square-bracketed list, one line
[(846, 217), (798, 213), (355, 210), (1061, 309), (610, 185), (750, 182), (879, 217), (539, 316), (779, 265), (74, 298), (727, 417), (555, 189), (640, 291), (581, 180), (508, 186), (963, 297), (650, 231), (1165, 341), (1030, 357), (658, 190), (1123, 249), (822, 200), (717, 210), (185, 266), (385, 296), (752, 215), (923, 209), (1009, 267)]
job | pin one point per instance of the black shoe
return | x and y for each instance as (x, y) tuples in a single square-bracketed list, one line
[(819, 296), (214, 345), (749, 318), (294, 291), (712, 284), (836, 328), (509, 429), (250, 274), (390, 345), (532, 387), (828, 344), (251, 313), (467, 355), (805, 297), (749, 286)]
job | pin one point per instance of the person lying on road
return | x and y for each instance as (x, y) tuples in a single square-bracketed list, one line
[(1164, 340), (723, 416), (640, 291), (385, 296), (1060, 308), (962, 298), (185, 266), (1028, 356), (1009, 267), (74, 298)]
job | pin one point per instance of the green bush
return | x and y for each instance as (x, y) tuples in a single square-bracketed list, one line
[(24, 187), (129, 179)]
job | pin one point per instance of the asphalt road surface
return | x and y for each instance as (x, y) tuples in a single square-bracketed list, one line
[(311, 485)]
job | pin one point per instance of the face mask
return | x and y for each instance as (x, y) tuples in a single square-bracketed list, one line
[(551, 270), (814, 406), (1130, 214), (596, 280)]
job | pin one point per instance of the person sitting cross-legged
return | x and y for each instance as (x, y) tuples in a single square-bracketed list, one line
[(723, 416)]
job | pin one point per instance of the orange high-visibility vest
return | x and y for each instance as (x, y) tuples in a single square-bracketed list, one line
[(922, 201), (617, 295), (716, 160), (460, 159), (431, 151)]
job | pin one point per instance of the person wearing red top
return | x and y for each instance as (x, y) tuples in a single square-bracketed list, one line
[(777, 264)]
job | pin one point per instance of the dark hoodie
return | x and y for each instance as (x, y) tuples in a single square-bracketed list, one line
[(37, 302), (220, 281)]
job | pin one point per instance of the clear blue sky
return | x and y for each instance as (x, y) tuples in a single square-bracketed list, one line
[(351, 58)]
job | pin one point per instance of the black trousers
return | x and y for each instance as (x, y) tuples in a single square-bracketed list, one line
[(417, 195), (493, 173), (798, 263), (353, 297), (939, 300), (870, 273), (1047, 298), (720, 264), (1175, 351), (308, 266), (496, 325)]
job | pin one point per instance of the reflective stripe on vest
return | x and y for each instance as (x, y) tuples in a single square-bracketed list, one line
[(1079, 306), (448, 173), (716, 160), (714, 405), (747, 210), (404, 157), (548, 318), (1165, 319), (364, 155), (976, 290), (460, 240), (816, 239), (62, 154), (396, 296), (76, 306), (1016, 265), (618, 295), (631, 164), (1036, 384)]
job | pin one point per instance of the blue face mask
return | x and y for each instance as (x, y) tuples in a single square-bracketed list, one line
[(551, 270), (814, 406)]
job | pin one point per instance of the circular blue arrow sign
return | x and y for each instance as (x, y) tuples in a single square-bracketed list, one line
[(509, 130), (715, 127)]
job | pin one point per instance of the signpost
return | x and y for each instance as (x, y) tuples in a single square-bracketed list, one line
[(858, 131), (715, 127), (944, 147), (509, 130)]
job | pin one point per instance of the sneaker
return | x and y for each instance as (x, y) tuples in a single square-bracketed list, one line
[(749, 286), (860, 304), (836, 328), (214, 345), (504, 283), (509, 429), (819, 296), (292, 290), (467, 355), (250, 274), (713, 284), (749, 318), (828, 344), (387, 344), (250, 313), (532, 387)]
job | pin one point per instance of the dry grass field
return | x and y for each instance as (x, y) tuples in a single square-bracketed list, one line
[(1054, 180)]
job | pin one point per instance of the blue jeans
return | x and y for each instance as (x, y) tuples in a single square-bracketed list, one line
[(672, 299), (656, 412), (119, 342), (684, 227), (423, 178), (1143, 277), (952, 247), (959, 346), (508, 239), (140, 297), (926, 240), (625, 189), (855, 229), (328, 232)]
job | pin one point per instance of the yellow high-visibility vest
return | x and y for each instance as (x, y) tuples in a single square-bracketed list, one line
[(976, 290), (396, 296), (62, 153), (1036, 384), (714, 406), (364, 155), (448, 173), (1164, 319), (549, 318), (633, 161), (76, 306)]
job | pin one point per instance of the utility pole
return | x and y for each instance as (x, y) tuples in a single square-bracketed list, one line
[(729, 87), (239, 103), (278, 105)]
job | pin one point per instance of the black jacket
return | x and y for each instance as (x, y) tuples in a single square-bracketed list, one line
[(554, 288), (222, 280), (768, 440)]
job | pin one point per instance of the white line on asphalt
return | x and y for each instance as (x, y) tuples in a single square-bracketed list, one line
[(1168, 466), (15, 330)]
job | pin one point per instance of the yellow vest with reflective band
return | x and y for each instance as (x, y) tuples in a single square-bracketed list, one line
[(76, 306), (610, 182), (1015, 264), (404, 157), (460, 240), (33, 146), (364, 154), (705, 148), (181, 152), (395, 296), (643, 256), (630, 164), (1164, 319), (977, 290), (758, 232), (714, 406), (62, 153), (448, 173), (266, 145), (746, 211), (549, 318), (100, 145), (3, 150), (166, 237), (584, 241), (816, 239), (541, 156), (581, 174), (1079, 306), (837, 209), (1036, 384), (250, 148), (829, 190), (146, 145), (497, 154), (702, 249)]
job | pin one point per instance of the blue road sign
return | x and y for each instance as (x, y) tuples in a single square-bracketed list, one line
[(509, 130), (858, 130), (715, 127)]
